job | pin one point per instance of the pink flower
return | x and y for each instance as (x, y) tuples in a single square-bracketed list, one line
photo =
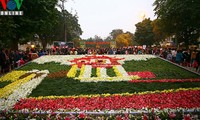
[(67, 118)]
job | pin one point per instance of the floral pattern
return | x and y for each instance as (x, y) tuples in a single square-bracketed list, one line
[(181, 99), (144, 74), (15, 91), (65, 59), (165, 81), (14, 95), (100, 63), (12, 76), (72, 72)]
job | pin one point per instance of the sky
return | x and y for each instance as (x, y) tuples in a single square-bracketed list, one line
[(100, 17)]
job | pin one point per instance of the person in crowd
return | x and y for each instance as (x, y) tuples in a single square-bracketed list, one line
[(164, 54), (34, 56), (139, 51), (20, 62), (169, 56), (12, 59), (8, 63), (174, 52), (16, 57), (179, 57), (198, 61), (193, 56), (41, 53), (187, 56), (110, 51), (75, 52)]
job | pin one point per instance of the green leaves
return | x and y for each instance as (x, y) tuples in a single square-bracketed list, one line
[(162, 69), (180, 18), (144, 32), (52, 67), (41, 18)]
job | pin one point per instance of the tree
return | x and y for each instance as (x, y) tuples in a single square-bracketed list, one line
[(7, 27), (72, 26), (180, 18), (41, 18), (97, 38), (159, 34), (144, 32), (115, 33), (109, 38), (124, 39)]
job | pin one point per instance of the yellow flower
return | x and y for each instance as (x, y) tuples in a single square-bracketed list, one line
[(72, 72), (135, 77), (117, 72), (121, 94), (98, 72), (7, 90), (12, 76)]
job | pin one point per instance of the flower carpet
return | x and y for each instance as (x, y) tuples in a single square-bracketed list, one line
[(100, 83)]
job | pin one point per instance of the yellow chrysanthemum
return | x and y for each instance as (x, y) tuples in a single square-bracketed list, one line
[(7, 90), (72, 72), (12, 76)]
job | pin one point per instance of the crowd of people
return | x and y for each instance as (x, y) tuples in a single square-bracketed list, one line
[(10, 59)]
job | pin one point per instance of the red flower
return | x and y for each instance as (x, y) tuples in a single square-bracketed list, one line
[(187, 117), (81, 115), (145, 74), (119, 117), (181, 99), (165, 81), (145, 117)]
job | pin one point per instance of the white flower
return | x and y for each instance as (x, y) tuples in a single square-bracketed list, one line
[(65, 59), (22, 92), (103, 72)]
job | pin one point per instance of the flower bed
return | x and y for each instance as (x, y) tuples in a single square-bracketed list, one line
[(144, 74), (103, 83), (165, 81), (183, 98)]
